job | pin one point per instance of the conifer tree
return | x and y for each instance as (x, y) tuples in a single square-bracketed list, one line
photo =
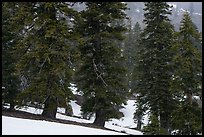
[(101, 73), (154, 68), (187, 80), (44, 52), (10, 82), (130, 49), (189, 58)]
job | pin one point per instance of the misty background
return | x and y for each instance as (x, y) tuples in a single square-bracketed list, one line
[(136, 13)]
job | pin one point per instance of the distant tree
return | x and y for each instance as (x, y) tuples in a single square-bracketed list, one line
[(139, 113), (130, 49), (100, 76)]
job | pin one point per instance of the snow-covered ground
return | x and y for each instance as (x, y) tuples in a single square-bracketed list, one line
[(25, 126), (17, 126)]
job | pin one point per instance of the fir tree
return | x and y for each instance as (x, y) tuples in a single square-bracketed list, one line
[(130, 49), (187, 79), (154, 69), (101, 73), (189, 59), (10, 82), (44, 53)]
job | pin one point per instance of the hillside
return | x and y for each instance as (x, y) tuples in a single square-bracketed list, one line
[(29, 117), (102, 68), (18, 126)]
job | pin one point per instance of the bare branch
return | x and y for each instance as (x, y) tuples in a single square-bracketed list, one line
[(97, 71), (42, 65)]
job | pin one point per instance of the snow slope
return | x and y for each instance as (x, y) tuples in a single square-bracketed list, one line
[(18, 126), (123, 124), (44, 127)]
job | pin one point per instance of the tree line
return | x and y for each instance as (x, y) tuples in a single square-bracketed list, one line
[(46, 46)]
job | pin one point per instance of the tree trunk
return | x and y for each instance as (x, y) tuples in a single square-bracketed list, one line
[(11, 105), (139, 123), (100, 120), (69, 110), (164, 122), (189, 98), (50, 108)]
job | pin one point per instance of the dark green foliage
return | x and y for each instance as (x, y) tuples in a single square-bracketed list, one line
[(44, 52), (187, 79), (162, 68), (188, 60), (139, 113), (153, 72), (153, 128), (187, 119), (10, 82), (101, 74)]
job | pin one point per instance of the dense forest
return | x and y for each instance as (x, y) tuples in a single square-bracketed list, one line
[(48, 46)]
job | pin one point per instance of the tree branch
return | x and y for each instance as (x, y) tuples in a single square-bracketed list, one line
[(97, 71)]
